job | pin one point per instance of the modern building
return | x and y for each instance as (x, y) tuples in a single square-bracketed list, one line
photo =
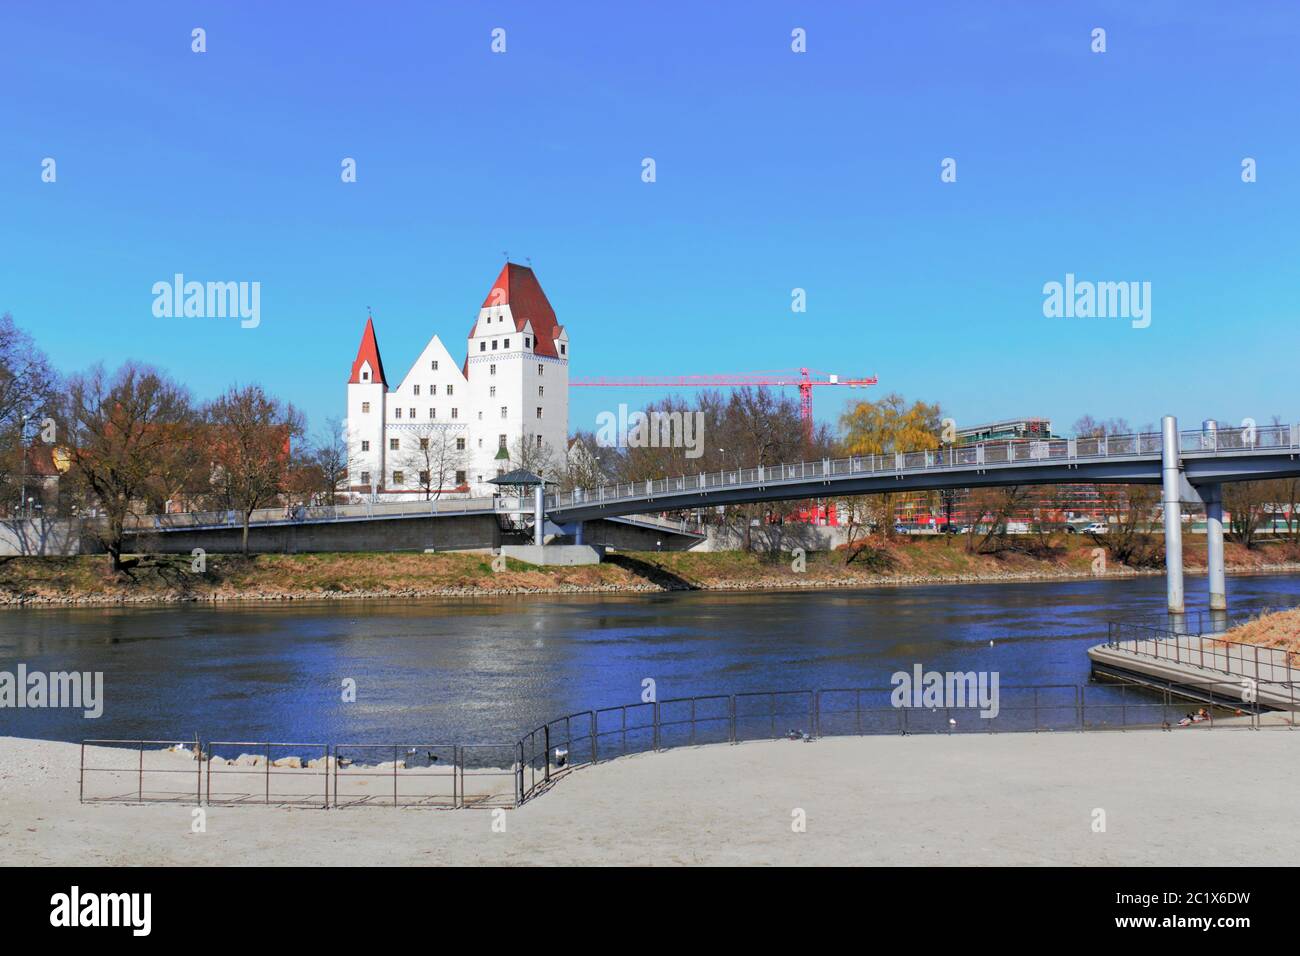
[(1011, 429), (448, 426)]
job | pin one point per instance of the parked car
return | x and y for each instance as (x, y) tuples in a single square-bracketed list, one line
[(1096, 527)]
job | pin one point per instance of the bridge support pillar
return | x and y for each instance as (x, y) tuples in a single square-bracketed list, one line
[(539, 515), (1213, 495), (577, 534), (1171, 497)]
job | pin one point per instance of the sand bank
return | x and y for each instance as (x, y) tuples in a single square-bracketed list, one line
[(998, 799)]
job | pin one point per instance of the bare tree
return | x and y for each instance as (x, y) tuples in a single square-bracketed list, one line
[(332, 461), (1247, 503), (539, 457), (131, 434), (250, 436), (438, 454), (27, 386)]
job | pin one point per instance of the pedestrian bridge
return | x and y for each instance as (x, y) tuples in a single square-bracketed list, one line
[(1208, 458), (1190, 467)]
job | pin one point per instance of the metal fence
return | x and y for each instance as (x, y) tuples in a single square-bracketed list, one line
[(505, 775), (589, 737), (1205, 649)]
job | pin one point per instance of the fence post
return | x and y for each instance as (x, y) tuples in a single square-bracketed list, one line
[(140, 778), (519, 789), (594, 752), (81, 775), (546, 739), (731, 714), (268, 772), (655, 705)]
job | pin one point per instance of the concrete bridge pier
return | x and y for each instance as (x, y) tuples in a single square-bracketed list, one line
[(539, 515), (1171, 497), (577, 533), (1213, 498)]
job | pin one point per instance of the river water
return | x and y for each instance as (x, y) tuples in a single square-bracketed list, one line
[(486, 670)]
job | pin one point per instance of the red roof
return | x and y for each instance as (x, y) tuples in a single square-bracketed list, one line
[(518, 288), (368, 352)]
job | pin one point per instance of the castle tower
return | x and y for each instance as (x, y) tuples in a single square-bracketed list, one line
[(367, 391), (517, 372)]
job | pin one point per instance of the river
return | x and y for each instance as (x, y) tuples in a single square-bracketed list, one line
[(486, 670)]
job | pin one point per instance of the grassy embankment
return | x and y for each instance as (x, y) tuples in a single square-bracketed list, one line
[(151, 579), (1280, 629)]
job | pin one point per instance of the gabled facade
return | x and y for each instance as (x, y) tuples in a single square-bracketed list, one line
[(441, 428)]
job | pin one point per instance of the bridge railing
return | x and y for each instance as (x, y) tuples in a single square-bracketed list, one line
[(307, 514), (1143, 444)]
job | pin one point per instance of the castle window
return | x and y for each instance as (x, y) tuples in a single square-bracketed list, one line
[(424, 444), (365, 446), (492, 369), (506, 345), (365, 376), (455, 413), (448, 389), (460, 444), (417, 389), (539, 411), (482, 346), (424, 478), (540, 368), (433, 413), (539, 438), (541, 390), (494, 345), (397, 412), (399, 478), (365, 408), (562, 348), (501, 441), (434, 365), (365, 477), (412, 413), (460, 478), (492, 391), (503, 411), (393, 444), (528, 342)]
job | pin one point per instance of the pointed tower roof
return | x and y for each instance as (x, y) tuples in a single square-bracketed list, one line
[(368, 352), (517, 287)]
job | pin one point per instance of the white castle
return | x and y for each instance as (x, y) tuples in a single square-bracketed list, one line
[(450, 427)]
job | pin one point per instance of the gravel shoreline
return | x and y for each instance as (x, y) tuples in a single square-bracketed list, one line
[(8, 600)]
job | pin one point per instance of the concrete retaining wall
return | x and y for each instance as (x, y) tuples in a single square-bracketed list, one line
[(41, 536), (441, 533)]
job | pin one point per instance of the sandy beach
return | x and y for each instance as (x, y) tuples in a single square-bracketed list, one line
[(921, 800)]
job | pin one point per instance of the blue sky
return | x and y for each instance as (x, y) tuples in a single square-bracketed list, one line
[(775, 170)]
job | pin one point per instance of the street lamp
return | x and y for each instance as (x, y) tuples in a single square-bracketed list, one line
[(22, 455)]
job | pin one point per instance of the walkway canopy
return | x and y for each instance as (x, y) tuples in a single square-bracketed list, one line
[(520, 478)]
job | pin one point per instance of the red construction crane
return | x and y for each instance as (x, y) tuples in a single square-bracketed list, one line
[(782, 379)]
